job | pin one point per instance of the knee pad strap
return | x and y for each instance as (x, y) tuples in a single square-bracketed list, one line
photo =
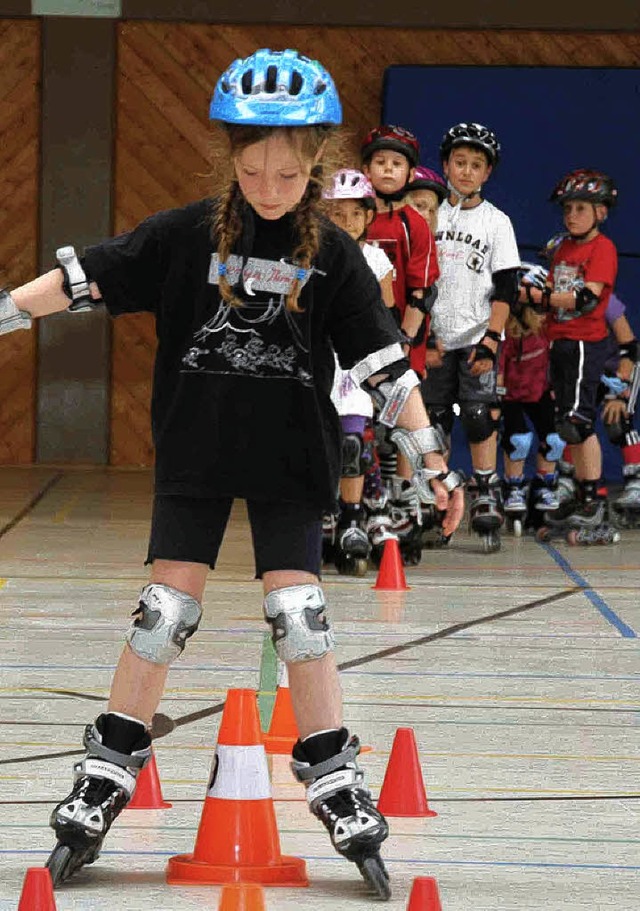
[(163, 622), (299, 629)]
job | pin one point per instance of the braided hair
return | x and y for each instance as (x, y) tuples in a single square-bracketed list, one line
[(228, 219)]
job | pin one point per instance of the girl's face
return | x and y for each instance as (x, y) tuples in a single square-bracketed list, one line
[(467, 169), (388, 171), (579, 216), (350, 215), (426, 203), (273, 175)]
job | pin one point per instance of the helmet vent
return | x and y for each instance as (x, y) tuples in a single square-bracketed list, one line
[(296, 83), (320, 88), (247, 82), (270, 83)]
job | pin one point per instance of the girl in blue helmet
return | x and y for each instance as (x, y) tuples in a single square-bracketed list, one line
[(252, 291)]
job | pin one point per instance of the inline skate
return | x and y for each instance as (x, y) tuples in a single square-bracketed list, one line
[(406, 519), (516, 492), (326, 763), (118, 747), (485, 509), (583, 520), (378, 525), (626, 506), (351, 548)]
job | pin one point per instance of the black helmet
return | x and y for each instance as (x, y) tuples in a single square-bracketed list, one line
[(591, 186), (471, 134)]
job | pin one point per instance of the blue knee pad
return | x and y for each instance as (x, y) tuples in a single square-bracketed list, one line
[(552, 447), (517, 446)]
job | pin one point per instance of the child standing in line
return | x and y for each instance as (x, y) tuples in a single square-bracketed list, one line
[(252, 292), (351, 204), (426, 191), (479, 263), (581, 279)]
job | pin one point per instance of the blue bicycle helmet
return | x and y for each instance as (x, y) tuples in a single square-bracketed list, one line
[(276, 89)]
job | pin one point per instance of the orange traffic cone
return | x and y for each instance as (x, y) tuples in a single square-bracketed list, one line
[(237, 841), (37, 891), (424, 895), (242, 897), (283, 729), (148, 793), (403, 792), (391, 573)]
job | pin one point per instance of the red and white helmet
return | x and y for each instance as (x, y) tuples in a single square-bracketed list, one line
[(348, 183), (395, 138), (591, 186), (426, 179)]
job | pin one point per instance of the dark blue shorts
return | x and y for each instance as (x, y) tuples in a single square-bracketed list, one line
[(576, 368), (189, 529)]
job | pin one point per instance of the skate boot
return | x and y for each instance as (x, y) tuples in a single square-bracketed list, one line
[(485, 509), (580, 521), (118, 747), (327, 765), (567, 487), (406, 519), (626, 507), (352, 544), (515, 503), (378, 525), (329, 521)]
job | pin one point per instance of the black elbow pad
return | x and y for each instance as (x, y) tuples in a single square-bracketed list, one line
[(506, 286)]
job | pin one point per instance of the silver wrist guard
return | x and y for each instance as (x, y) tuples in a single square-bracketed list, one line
[(11, 318), (413, 444), (76, 283)]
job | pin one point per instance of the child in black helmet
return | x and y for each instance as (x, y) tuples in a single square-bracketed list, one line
[(478, 282)]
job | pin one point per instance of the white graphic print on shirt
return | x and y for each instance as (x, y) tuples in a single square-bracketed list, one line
[(260, 339), (566, 278)]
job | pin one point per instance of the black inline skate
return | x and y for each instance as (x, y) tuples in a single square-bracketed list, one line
[(351, 548), (118, 747), (583, 520), (378, 525), (485, 508), (327, 764), (406, 519)]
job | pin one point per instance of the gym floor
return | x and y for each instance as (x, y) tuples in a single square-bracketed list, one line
[(518, 672)]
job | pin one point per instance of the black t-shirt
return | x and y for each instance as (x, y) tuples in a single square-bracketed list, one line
[(240, 403)]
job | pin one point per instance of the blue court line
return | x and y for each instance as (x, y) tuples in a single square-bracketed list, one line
[(609, 615), (390, 861)]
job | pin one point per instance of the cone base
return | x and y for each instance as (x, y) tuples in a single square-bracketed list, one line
[(147, 805), (405, 814), (184, 870)]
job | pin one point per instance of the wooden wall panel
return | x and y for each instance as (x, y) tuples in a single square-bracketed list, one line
[(19, 155), (166, 76)]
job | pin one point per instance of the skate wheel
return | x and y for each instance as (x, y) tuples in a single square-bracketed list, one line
[(490, 542), (543, 534), (516, 527), (375, 875), (352, 566), (60, 864)]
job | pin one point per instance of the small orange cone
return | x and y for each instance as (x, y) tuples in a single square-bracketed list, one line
[(148, 792), (283, 729), (424, 895), (242, 897), (237, 841), (37, 891), (403, 792), (391, 573)]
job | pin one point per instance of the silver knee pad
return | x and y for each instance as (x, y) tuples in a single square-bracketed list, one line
[(163, 622), (300, 630)]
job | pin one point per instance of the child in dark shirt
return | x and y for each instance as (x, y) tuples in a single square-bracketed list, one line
[(252, 292)]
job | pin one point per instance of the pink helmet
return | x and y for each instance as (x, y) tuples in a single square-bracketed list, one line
[(348, 183), (426, 179)]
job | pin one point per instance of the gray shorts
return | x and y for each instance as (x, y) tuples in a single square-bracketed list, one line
[(453, 383)]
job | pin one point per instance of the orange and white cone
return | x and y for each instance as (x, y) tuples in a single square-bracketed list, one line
[(283, 729), (238, 840)]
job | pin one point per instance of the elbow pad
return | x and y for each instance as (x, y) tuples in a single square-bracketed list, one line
[(506, 286), (394, 380), (425, 303), (629, 350), (586, 300)]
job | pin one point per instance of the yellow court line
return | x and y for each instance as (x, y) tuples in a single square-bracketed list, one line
[(3, 582)]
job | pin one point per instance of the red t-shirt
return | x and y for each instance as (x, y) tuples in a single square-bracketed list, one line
[(595, 261), (407, 240)]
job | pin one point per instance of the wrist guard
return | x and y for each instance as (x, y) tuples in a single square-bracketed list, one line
[(75, 283), (545, 299), (11, 318), (396, 380), (629, 350), (484, 353), (413, 444), (586, 300)]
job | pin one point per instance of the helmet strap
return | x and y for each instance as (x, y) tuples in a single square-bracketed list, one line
[(392, 197), (453, 218)]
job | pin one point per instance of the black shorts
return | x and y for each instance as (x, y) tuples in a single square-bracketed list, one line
[(454, 383), (189, 529), (576, 368), (542, 415)]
